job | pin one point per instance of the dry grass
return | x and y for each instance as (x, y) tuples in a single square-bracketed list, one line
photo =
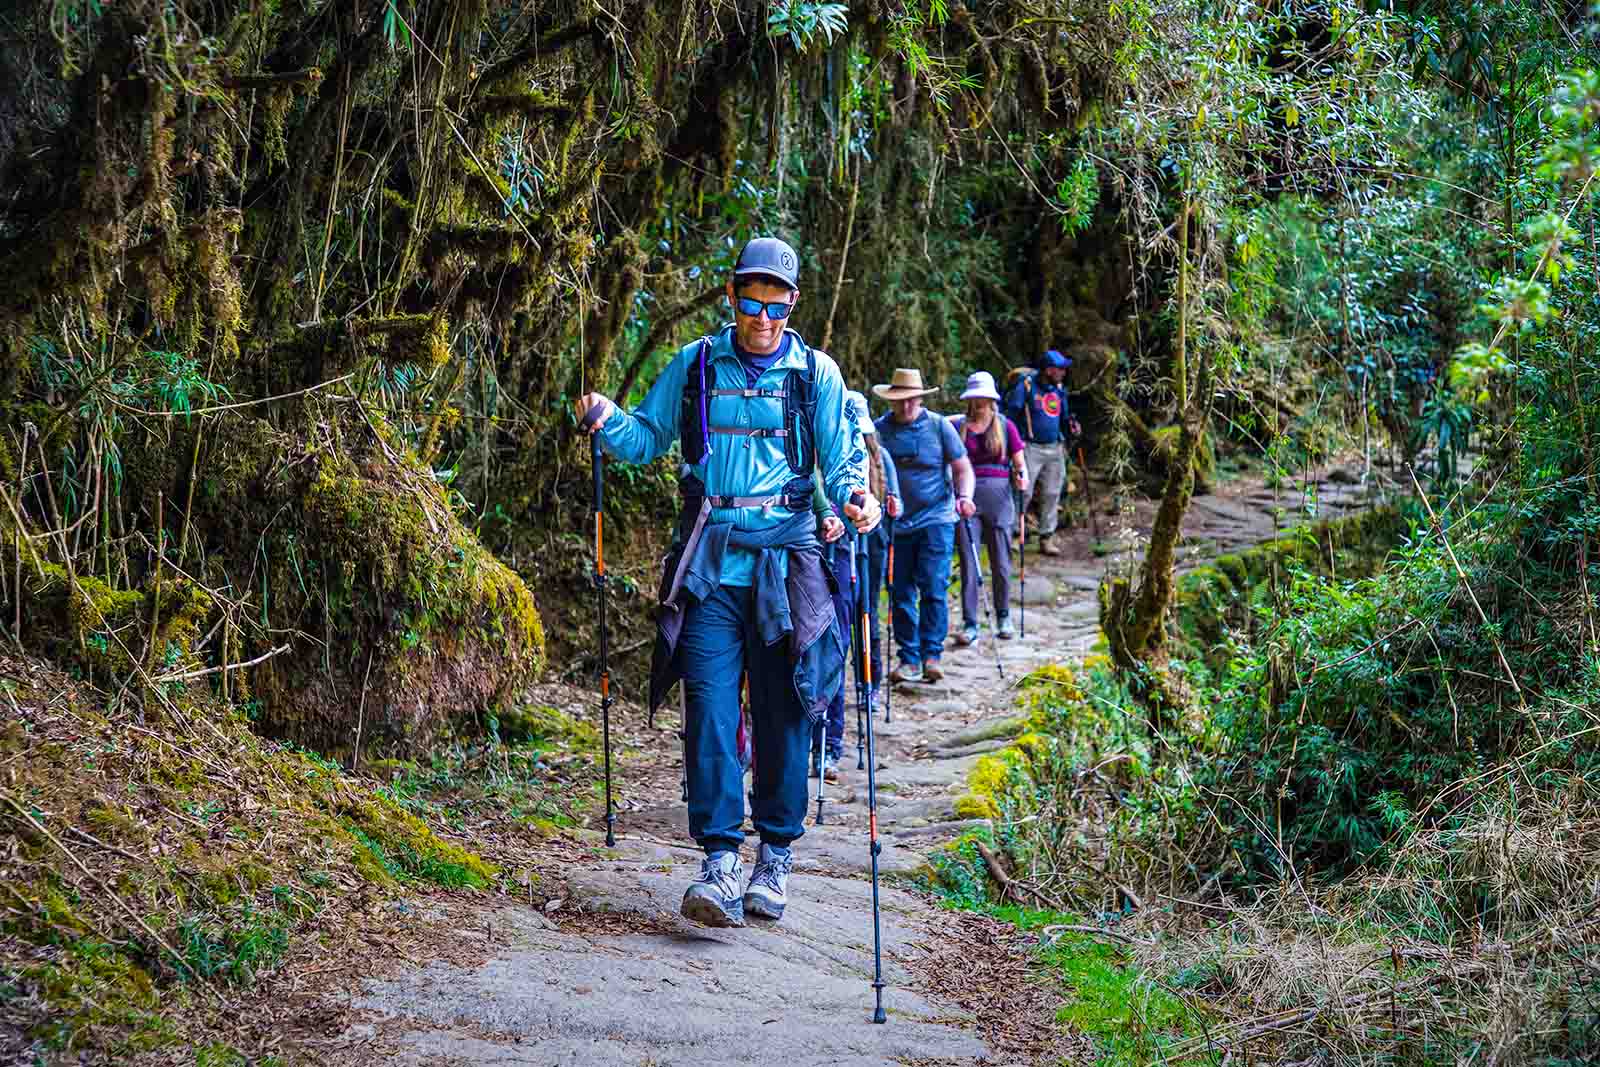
[(1479, 943)]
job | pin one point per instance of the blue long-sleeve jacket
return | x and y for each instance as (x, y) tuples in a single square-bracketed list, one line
[(742, 465)]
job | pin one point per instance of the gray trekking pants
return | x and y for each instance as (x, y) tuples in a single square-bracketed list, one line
[(996, 516), (1047, 472)]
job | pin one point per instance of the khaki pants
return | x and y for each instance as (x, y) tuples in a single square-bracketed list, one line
[(1047, 471)]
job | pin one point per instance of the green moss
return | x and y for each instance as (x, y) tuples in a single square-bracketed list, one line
[(544, 724), (1165, 447), (976, 806)]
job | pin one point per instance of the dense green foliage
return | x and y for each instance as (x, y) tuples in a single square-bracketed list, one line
[(1401, 768)]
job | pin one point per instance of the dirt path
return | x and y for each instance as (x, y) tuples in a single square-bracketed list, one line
[(612, 975)]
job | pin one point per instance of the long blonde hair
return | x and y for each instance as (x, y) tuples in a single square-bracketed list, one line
[(994, 438)]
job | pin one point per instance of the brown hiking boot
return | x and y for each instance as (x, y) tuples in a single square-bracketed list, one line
[(931, 671), (1048, 546)]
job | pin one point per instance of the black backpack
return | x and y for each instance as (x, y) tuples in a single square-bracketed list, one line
[(799, 396)]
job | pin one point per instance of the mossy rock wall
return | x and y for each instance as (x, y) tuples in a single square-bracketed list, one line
[(403, 627), (1214, 599)]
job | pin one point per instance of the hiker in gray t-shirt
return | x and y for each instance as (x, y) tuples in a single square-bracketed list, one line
[(923, 444)]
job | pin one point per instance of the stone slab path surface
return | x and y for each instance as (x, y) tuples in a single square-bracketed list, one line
[(614, 975)]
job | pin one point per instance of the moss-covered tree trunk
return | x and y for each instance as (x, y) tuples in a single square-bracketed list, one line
[(1135, 618)]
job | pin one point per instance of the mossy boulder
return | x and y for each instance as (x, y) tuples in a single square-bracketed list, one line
[(404, 627)]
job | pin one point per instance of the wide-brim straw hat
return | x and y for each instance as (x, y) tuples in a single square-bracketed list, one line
[(980, 386), (905, 383)]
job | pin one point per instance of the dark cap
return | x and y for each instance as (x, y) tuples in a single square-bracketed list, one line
[(770, 257)]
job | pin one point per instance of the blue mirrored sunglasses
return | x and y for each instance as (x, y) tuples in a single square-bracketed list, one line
[(775, 311)]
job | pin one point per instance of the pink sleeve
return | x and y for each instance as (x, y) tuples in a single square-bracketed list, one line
[(1013, 439)]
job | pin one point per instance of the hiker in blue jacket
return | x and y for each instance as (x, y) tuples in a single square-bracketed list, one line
[(1037, 404), (754, 410), (863, 587)]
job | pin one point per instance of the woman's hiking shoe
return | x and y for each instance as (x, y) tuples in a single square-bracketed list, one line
[(968, 635), (931, 671), (906, 672), (714, 898), (769, 883), (1048, 546), (1006, 632)]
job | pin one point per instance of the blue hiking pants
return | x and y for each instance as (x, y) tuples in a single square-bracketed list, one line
[(921, 583), (719, 643)]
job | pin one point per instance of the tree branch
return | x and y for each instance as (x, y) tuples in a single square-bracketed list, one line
[(658, 332)]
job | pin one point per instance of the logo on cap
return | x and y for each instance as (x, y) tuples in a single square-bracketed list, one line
[(788, 261)]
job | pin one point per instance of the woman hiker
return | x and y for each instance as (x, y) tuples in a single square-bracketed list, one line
[(922, 444), (755, 410), (997, 454)]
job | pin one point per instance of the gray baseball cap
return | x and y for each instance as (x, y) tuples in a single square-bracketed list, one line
[(771, 257)]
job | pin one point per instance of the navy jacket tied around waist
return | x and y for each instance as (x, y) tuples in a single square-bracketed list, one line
[(797, 606)]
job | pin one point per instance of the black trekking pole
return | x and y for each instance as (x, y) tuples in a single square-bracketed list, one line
[(864, 662), (984, 593), (862, 710), (683, 737), (888, 623), (598, 462), (822, 759), (821, 747)]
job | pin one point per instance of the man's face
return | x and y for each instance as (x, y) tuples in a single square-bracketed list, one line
[(758, 333), (1055, 375), (906, 410)]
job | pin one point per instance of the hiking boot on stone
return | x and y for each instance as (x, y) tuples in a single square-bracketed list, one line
[(1005, 632), (1049, 547), (931, 671), (714, 898), (906, 672), (968, 635), (769, 883), (830, 768)]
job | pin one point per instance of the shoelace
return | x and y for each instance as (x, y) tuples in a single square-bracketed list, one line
[(725, 880), (768, 872)]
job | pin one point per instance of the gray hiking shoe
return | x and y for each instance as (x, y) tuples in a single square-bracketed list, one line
[(769, 884), (714, 899), (1005, 632), (931, 671), (968, 635), (906, 672)]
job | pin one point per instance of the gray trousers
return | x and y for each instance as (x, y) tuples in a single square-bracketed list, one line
[(997, 514), (1047, 472)]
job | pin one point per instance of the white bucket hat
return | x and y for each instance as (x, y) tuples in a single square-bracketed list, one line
[(980, 386), (857, 403)]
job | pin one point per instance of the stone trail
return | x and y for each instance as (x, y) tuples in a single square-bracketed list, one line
[(619, 978)]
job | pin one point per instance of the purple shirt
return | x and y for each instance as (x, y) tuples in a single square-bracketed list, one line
[(985, 464)]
